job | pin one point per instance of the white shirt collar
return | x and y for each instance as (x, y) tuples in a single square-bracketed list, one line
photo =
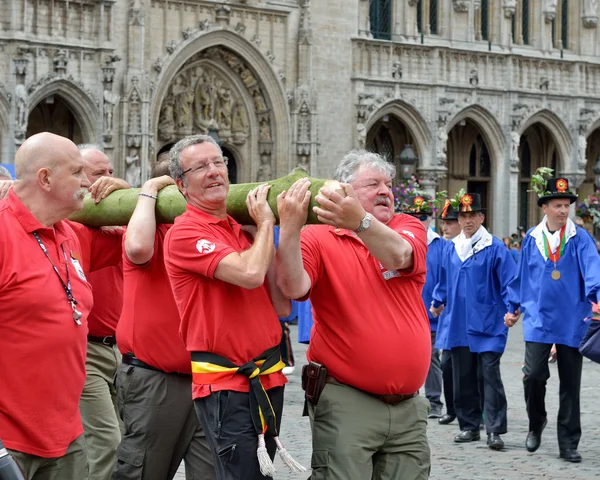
[(431, 235), (553, 238), (466, 247)]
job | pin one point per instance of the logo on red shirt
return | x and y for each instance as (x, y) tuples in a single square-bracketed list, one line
[(204, 246)]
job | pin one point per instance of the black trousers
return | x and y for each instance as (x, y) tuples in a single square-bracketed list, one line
[(468, 369), (536, 374), (447, 382), (225, 417)]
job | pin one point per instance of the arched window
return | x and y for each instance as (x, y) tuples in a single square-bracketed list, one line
[(383, 144), (433, 17), (380, 14)]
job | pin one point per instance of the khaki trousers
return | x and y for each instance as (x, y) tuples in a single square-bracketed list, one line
[(98, 407), (356, 437), (72, 465)]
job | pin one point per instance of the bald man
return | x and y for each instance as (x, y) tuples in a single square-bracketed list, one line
[(98, 403), (45, 300)]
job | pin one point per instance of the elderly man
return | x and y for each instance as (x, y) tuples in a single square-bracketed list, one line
[(45, 304), (474, 285), (160, 430), (98, 403), (370, 347), (229, 312), (5, 174), (557, 278)]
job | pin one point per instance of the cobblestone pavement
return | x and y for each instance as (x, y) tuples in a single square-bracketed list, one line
[(475, 460)]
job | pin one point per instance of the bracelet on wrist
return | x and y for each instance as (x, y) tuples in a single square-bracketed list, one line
[(148, 195)]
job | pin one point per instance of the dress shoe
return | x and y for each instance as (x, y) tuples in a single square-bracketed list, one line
[(467, 436), (494, 441), (570, 455), (534, 439), (446, 419)]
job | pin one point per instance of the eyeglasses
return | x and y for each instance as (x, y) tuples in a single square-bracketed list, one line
[(218, 162)]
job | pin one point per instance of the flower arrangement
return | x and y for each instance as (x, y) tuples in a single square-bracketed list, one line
[(406, 188), (589, 209), (420, 201), (539, 181)]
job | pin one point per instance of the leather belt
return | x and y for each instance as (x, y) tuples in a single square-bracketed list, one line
[(387, 399), (108, 340), (130, 359)]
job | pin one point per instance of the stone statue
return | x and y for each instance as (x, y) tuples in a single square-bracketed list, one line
[(361, 135), (248, 78), (304, 163), (590, 7), (581, 151), (442, 144), (183, 105), (22, 101), (397, 70), (304, 124), (265, 171), (259, 101), (166, 122), (239, 121), (60, 61), (224, 108), (204, 101), (265, 130), (515, 140), (510, 7), (133, 175), (110, 100)]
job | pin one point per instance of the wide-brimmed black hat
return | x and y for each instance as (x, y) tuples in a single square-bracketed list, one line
[(417, 205), (470, 202), (557, 188), (448, 212)]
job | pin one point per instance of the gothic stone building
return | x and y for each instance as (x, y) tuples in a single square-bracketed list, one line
[(485, 91)]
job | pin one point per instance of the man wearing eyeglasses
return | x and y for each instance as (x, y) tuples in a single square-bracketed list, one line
[(229, 305)]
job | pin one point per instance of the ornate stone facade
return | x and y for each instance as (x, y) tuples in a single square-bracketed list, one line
[(138, 75)]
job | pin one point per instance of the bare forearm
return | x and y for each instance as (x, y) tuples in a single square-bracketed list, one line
[(291, 277), (139, 238), (281, 304), (258, 258), (387, 246)]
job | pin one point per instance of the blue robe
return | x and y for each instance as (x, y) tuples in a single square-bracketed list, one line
[(475, 293), (442, 326), (554, 310), (435, 253)]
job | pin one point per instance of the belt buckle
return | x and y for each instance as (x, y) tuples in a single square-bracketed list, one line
[(105, 342)]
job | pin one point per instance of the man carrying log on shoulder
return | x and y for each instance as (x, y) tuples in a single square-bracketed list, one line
[(229, 305)]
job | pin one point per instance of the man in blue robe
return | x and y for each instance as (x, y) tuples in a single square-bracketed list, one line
[(557, 279), (421, 207), (474, 287), (450, 229)]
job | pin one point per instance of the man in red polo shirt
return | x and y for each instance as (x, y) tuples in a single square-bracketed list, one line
[(229, 312), (160, 430), (45, 302), (364, 272)]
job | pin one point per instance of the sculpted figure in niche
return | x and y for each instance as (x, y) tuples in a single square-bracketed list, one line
[(22, 100), (248, 78), (304, 163), (166, 123), (265, 171), (515, 140), (591, 7), (304, 124), (265, 130), (259, 101), (361, 135), (441, 146), (184, 97), (581, 148), (110, 100), (133, 175), (204, 97), (239, 122), (224, 109)]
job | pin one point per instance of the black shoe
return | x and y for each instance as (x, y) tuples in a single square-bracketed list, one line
[(534, 439), (446, 419), (467, 436), (494, 441), (570, 455)]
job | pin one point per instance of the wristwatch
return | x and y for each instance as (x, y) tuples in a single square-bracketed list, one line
[(365, 223)]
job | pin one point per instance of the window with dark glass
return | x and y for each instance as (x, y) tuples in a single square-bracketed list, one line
[(473, 162), (380, 12), (420, 16), (383, 144), (525, 22), (484, 20), (565, 23), (433, 16)]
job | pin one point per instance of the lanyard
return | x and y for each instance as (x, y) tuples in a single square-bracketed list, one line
[(66, 286), (554, 257)]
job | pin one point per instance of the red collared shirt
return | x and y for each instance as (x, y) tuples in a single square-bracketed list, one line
[(219, 317), (42, 350), (370, 325)]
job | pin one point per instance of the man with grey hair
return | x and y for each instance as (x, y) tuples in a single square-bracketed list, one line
[(5, 174), (229, 305), (363, 271)]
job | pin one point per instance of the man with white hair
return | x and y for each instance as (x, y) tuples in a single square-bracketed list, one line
[(4, 174), (363, 271)]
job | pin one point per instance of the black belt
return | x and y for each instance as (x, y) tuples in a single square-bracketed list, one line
[(130, 359), (108, 340), (387, 399)]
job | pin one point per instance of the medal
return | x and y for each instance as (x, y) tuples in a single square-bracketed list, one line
[(555, 275)]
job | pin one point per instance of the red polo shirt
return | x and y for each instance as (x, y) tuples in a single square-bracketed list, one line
[(370, 325), (149, 324), (216, 316), (42, 350), (107, 282)]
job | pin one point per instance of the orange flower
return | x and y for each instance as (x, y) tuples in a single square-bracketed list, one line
[(466, 202), (561, 185)]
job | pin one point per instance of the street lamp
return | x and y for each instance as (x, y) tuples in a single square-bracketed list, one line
[(408, 159), (596, 171)]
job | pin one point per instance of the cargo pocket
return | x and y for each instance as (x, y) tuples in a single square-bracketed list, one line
[(319, 463), (227, 454), (130, 463)]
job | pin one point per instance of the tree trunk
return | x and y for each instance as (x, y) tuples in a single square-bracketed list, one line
[(117, 208)]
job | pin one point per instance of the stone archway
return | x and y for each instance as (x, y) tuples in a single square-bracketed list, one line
[(54, 115), (558, 133), (219, 83)]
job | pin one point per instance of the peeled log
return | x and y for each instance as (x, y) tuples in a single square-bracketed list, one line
[(117, 208)]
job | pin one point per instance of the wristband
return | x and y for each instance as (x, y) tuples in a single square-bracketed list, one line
[(147, 195)]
